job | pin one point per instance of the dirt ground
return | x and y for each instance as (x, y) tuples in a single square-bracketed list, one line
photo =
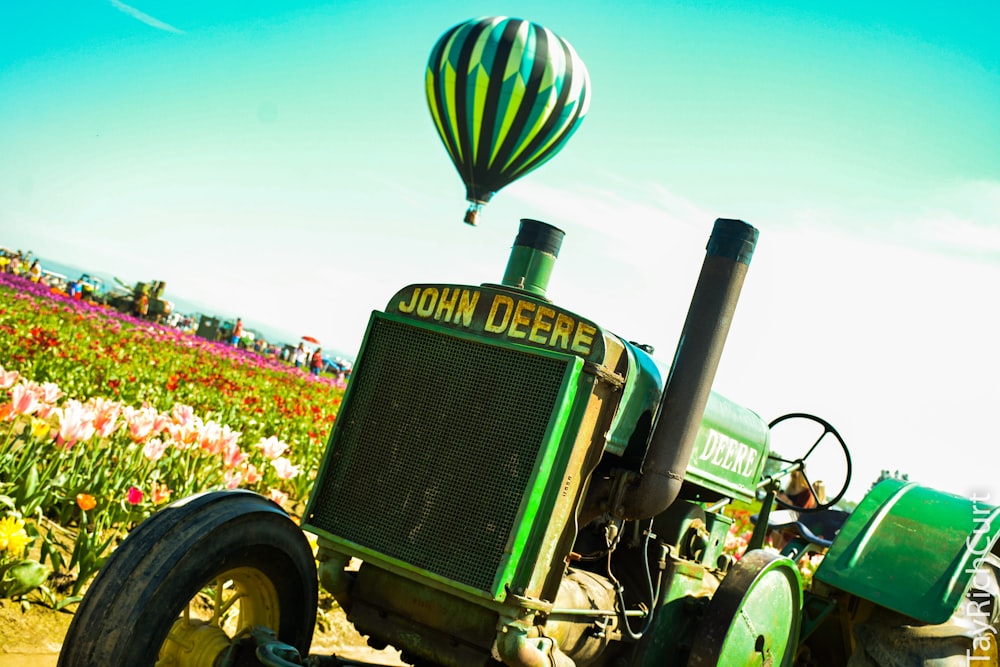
[(33, 638), (30, 638)]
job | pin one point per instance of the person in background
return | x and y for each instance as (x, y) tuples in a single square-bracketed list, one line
[(800, 496), (798, 492), (237, 332), (316, 363), (142, 305), (299, 356), (35, 272), (819, 489)]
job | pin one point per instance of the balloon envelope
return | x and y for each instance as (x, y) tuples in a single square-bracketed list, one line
[(505, 95)]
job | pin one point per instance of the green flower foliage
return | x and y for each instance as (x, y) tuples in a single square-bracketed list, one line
[(104, 417)]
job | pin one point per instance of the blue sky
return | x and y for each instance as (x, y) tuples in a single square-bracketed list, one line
[(277, 161)]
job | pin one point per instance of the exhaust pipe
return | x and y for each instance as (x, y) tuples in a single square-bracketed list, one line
[(696, 360)]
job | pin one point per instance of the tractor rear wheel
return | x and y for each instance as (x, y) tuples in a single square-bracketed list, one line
[(190, 580)]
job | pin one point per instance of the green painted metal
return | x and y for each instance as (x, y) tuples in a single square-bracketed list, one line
[(685, 590), (731, 446), (815, 611), (529, 270), (753, 619), (641, 394), (730, 450), (533, 256), (688, 584), (912, 549), (406, 612), (732, 443), (456, 452)]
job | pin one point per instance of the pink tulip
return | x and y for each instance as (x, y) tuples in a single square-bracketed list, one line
[(46, 410), (185, 435), (76, 424), (232, 478), (160, 422), (250, 474), (49, 392), (8, 378), (284, 468), (208, 437), (227, 437), (277, 496), (141, 422), (183, 415), (153, 449), (23, 399), (232, 456), (106, 413), (272, 447)]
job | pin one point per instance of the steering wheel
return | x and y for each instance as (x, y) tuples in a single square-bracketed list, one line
[(800, 463)]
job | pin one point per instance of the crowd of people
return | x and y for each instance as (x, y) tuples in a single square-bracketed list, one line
[(308, 358), (22, 264), (299, 356)]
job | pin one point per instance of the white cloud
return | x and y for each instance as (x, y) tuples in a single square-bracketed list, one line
[(961, 220), (145, 18)]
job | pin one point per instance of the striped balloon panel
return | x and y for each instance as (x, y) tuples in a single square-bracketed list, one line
[(505, 95)]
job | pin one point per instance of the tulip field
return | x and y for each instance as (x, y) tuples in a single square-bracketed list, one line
[(104, 418)]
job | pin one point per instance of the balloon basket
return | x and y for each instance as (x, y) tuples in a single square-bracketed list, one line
[(472, 215)]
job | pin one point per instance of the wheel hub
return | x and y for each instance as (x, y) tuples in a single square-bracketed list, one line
[(230, 607), (754, 617), (192, 643)]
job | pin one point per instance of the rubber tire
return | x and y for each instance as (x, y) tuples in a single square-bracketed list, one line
[(146, 583)]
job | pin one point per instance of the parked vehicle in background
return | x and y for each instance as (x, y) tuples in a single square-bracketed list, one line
[(143, 300)]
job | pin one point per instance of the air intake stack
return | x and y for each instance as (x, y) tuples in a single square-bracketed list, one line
[(533, 256)]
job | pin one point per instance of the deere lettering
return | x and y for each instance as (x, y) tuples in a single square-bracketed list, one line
[(728, 453), (503, 315), (539, 324)]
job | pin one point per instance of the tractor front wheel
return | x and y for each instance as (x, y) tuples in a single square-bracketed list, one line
[(754, 616), (192, 579)]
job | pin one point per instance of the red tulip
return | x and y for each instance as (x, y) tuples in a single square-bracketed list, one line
[(134, 496)]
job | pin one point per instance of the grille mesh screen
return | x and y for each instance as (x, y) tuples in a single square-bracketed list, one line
[(434, 452)]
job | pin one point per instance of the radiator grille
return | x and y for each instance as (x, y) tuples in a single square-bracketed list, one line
[(435, 449)]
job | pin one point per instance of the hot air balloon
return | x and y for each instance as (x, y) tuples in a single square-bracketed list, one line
[(505, 95)]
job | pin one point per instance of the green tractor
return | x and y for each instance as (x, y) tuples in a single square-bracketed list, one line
[(508, 483), (144, 300)]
